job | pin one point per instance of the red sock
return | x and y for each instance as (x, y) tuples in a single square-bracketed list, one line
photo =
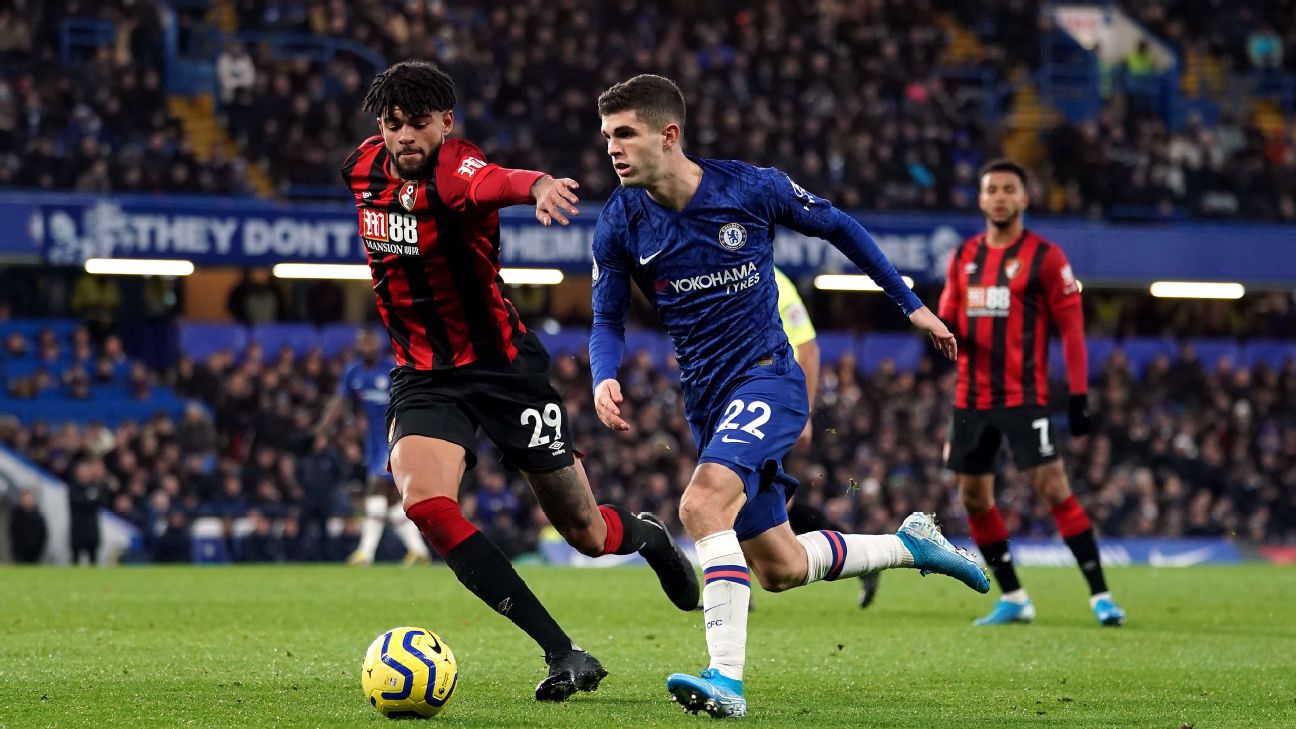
[(615, 529), (441, 522), (1071, 518), (988, 527)]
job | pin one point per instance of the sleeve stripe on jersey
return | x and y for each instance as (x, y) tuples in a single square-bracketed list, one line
[(472, 288), (1033, 385), (973, 358), (999, 332)]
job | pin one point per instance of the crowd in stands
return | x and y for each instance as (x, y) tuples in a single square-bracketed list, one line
[(100, 122), (856, 100), (1182, 448)]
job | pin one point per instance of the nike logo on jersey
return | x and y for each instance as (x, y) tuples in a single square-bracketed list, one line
[(727, 439), (643, 260)]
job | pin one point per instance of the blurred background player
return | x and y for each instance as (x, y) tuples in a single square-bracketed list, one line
[(1002, 290), (696, 235), (429, 218), (800, 331), (365, 386)]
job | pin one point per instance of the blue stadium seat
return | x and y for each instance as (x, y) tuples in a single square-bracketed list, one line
[(199, 340), (1210, 351), (29, 328), (1099, 349), (1142, 350), (336, 337), (832, 345), (566, 342), (657, 345), (905, 350), (1272, 352), (273, 337)]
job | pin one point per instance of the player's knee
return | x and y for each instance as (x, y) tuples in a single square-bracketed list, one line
[(976, 500), (775, 578)]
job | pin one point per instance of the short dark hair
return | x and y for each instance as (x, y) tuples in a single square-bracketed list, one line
[(656, 99), (1003, 164), (417, 87)]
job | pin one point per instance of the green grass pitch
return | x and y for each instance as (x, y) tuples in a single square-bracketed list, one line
[(261, 646)]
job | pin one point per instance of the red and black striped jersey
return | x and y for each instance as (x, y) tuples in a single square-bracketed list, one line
[(434, 256), (1000, 302)]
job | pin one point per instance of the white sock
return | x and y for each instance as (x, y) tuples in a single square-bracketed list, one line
[(409, 534), (1094, 598), (726, 593), (1020, 597), (833, 555), (371, 529)]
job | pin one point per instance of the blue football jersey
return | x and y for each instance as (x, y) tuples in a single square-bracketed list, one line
[(370, 388), (709, 271)]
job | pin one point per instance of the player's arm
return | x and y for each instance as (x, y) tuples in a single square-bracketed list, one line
[(805, 213), (611, 303), (951, 298), (332, 411), (337, 404), (1062, 292), (801, 335), (467, 179)]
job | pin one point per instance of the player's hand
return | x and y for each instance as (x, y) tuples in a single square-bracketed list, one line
[(607, 399), (942, 338), (554, 198), (1078, 415)]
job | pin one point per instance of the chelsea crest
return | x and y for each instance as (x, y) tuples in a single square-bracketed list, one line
[(733, 236)]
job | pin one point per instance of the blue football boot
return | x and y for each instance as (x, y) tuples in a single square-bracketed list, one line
[(1108, 612), (932, 552), (709, 691), (1007, 611)]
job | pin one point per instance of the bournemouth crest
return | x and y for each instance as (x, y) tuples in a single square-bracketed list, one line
[(408, 195)]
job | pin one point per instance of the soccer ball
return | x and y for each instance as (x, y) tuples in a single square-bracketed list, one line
[(409, 673)]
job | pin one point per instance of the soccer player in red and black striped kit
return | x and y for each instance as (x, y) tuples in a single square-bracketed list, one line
[(1003, 289), (428, 214)]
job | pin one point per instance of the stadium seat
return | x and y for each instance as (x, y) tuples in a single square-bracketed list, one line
[(274, 337), (336, 337), (832, 345), (200, 340), (1140, 351), (1211, 351), (1274, 353), (905, 350), (1099, 349), (29, 328)]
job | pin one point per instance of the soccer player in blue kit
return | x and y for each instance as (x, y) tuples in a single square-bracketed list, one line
[(366, 385), (696, 236)]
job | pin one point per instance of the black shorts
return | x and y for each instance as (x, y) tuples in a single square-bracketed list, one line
[(975, 436), (513, 404)]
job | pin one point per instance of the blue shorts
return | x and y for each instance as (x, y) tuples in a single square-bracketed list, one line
[(376, 452), (760, 420)]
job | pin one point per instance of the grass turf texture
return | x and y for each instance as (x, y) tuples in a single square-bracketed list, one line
[(1208, 647)]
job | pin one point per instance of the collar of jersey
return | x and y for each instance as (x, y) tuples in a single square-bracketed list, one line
[(703, 184)]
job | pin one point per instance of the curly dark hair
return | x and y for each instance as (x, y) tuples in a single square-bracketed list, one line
[(416, 87)]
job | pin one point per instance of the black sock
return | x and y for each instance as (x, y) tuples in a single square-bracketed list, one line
[(636, 534), (1085, 548), (999, 559), (804, 519), (483, 569)]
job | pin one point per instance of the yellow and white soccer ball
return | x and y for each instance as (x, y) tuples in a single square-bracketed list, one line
[(409, 673)]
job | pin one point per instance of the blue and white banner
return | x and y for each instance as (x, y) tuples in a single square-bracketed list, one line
[(1026, 552), (67, 228), (1185, 552)]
